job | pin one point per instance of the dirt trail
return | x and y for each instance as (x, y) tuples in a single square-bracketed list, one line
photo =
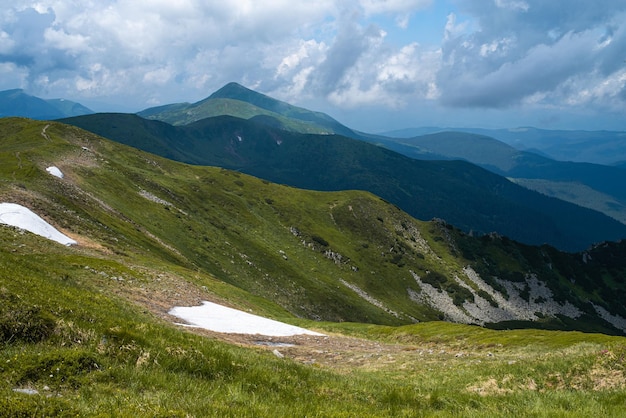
[(44, 134), (337, 352)]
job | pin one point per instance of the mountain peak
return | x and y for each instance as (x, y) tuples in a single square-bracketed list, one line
[(231, 91), (236, 91)]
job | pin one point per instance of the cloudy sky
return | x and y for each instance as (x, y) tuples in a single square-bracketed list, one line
[(373, 64)]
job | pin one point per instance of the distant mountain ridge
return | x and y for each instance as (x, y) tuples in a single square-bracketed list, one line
[(17, 103), (236, 100), (463, 194), (595, 186), (598, 147), (592, 186)]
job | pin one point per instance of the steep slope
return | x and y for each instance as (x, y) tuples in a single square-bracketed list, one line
[(339, 256), (461, 193), (17, 103)]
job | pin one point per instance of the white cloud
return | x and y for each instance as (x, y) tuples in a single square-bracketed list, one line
[(493, 53), (513, 4), (373, 7), (530, 53), (59, 39)]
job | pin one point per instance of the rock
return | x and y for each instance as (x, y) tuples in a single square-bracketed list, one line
[(26, 391)]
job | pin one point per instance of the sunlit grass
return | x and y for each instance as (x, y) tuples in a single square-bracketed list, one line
[(86, 326)]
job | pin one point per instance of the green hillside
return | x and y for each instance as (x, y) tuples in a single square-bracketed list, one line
[(463, 194), (433, 144), (84, 330), (235, 100)]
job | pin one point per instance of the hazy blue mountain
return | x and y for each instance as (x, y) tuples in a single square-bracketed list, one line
[(595, 186), (600, 147), (17, 103), (463, 194)]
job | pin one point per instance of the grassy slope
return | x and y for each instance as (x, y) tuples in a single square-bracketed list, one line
[(186, 114), (240, 229), (90, 353), (86, 322), (459, 192)]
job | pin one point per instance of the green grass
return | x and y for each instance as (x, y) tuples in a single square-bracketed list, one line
[(87, 326), (105, 356)]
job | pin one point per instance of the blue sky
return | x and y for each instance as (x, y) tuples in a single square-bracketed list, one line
[(375, 65)]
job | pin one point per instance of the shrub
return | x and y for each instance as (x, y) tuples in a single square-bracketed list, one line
[(20, 322), (321, 241), (57, 367)]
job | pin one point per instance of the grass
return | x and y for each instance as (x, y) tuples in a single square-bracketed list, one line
[(86, 327), (106, 356)]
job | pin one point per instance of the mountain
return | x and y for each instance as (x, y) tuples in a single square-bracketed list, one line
[(259, 236), (598, 147), (594, 186), (86, 329), (235, 100), (459, 192), (17, 103)]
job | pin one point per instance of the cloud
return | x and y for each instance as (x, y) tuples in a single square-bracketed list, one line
[(492, 53), (519, 51), (400, 7)]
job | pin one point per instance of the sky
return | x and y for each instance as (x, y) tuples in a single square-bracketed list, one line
[(375, 65)]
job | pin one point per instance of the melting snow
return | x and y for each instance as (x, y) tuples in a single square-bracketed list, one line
[(55, 172), (21, 217), (219, 318)]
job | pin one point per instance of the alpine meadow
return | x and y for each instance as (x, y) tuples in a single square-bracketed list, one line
[(411, 317)]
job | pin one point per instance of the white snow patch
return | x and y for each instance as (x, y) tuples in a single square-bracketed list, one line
[(21, 217), (55, 172), (219, 318)]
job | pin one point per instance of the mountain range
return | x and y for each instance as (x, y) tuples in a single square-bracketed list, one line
[(17, 103), (594, 186), (456, 191), (334, 256), (598, 147), (86, 329)]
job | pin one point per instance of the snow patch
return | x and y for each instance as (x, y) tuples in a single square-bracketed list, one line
[(55, 172), (21, 217), (219, 318)]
